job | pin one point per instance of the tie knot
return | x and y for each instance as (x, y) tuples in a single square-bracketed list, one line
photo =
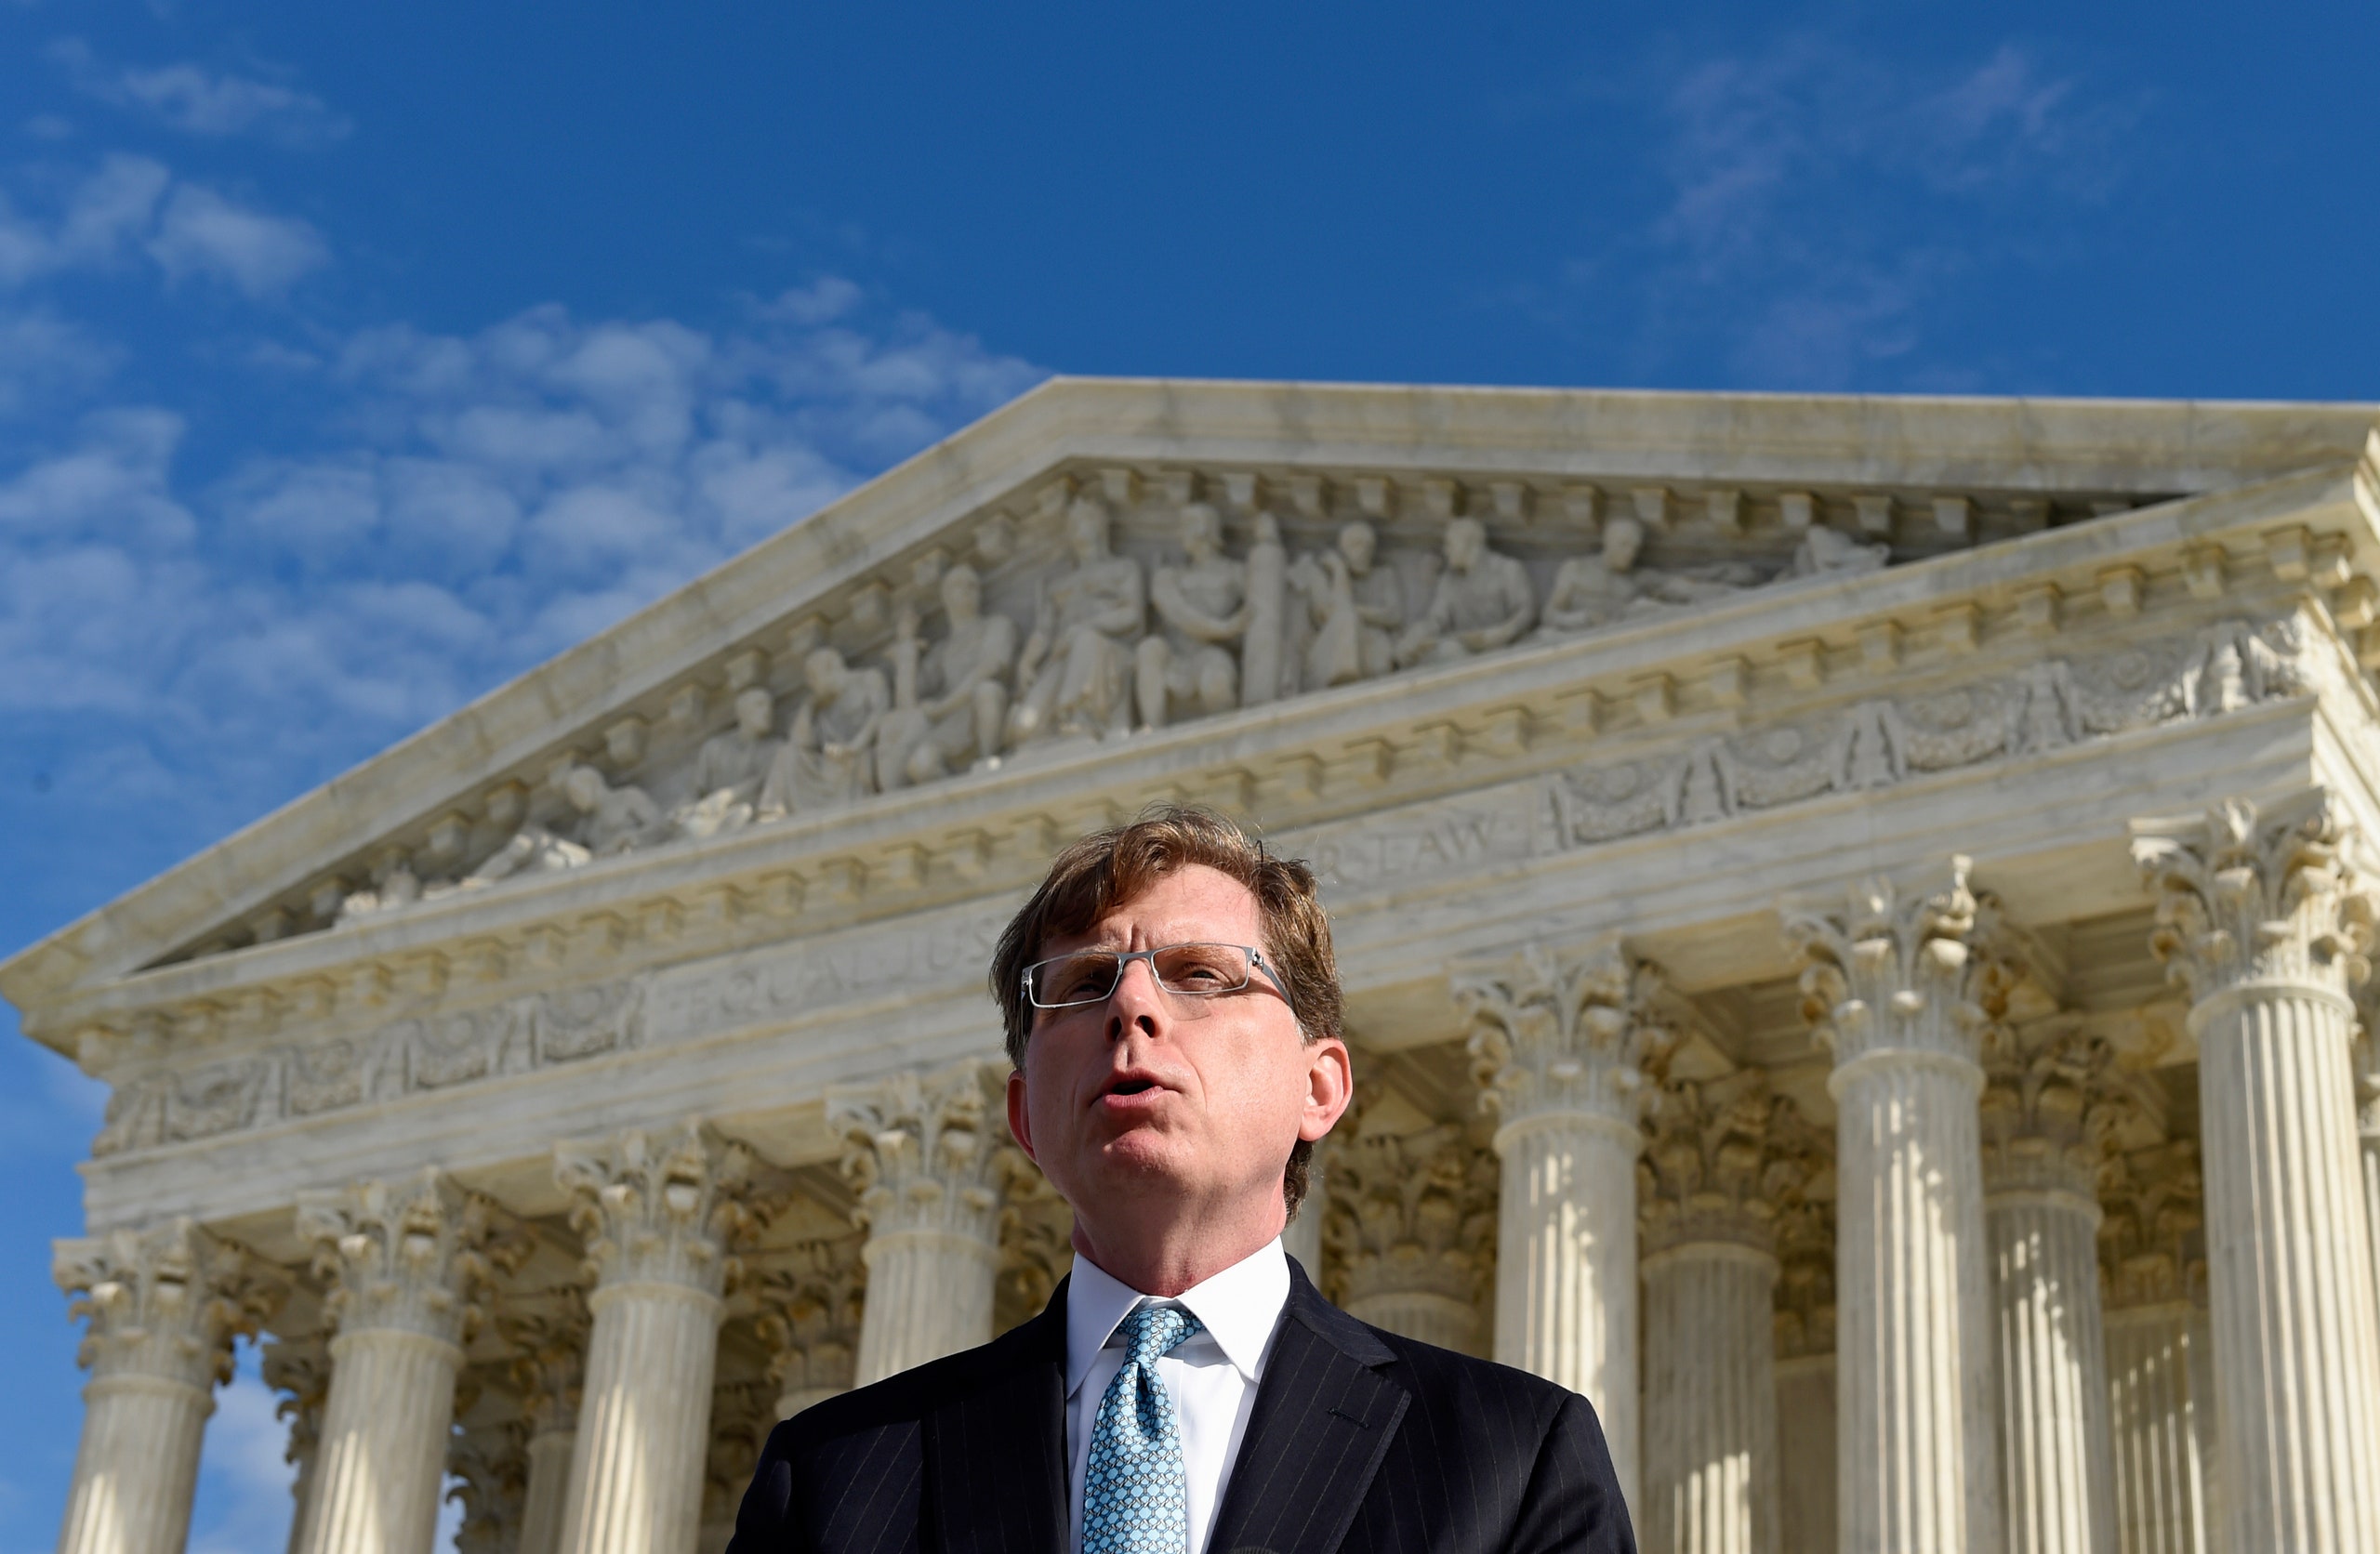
[(1153, 1330)]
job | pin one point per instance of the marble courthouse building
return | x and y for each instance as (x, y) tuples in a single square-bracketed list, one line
[(1854, 914)]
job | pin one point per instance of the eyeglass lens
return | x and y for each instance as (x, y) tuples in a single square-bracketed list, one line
[(1091, 975)]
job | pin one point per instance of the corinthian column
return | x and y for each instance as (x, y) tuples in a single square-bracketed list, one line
[(2162, 1415), (1805, 1407), (811, 1307), (924, 1152), (410, 1260), (1412, 1225), (1558, 1043), (1891, 988), (164, 1306), (1719, 1158), (301, 1369), (2367, 1128), (660, 1214), (2048, 1102), (2258, 918), (550, 1370)]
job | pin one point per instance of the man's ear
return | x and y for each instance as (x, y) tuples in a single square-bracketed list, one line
[(1330, 1085), (1020, 1122)]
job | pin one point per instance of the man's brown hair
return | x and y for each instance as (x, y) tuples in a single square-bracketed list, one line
[(1107, 869)]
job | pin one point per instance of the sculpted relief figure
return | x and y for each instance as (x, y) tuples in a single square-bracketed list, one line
[(1201, 608), (1606, 585), (950, 699), (730, 767), (1358, 608), (613, 820), (1076, 671), (531, 850), (1483, 601), (1825, 550), (830, 758)]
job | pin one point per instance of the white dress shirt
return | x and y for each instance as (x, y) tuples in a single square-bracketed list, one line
[(1211, 1377)]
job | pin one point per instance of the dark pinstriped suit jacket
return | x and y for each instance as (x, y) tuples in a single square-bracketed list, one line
[(1360, 1441)]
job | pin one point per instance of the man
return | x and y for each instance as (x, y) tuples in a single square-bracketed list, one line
[(1171, 1007), (1483, 601)]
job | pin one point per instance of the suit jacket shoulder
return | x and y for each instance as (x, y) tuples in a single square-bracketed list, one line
[(1360, 1441)]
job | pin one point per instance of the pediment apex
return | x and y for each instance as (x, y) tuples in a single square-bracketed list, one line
[(1521, 461)]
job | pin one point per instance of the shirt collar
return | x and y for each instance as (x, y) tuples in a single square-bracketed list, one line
[(1239, 1305)]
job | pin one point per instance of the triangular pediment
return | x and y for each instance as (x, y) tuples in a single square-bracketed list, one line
[(1727, 498)]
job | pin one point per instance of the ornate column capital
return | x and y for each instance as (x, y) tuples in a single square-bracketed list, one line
[(1722, 1158), (2152, 1227), (166, 1301), (2365, 1058), (2052, 1100), (489, 1463), (1804, 1278), (2251, 894), (1563, 1032), (1895, 971), (548, 1365), (415, 1254), (301, 1369), (662, 1208), (924, 1151), (811, 1299), (1412, 1214)]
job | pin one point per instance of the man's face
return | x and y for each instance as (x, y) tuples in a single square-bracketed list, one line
[(1464, 541), (754, 712), (1355, 543), (1153, 1098)]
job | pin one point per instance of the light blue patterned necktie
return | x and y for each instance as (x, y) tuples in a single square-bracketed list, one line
[(1135, 1495)]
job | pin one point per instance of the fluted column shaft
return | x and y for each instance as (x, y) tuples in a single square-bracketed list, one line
[(929, 1294), (1899, 986), (661, 1213), (2261, 918), (382, 1459), (411, 1258), (542, 1505), (2156, 1372), (2367, 1128), (1711, 1483), (2290, 1271), (164, 1306), (137, 1468), (1913, 1310), (1805, 1446), (1566, 1266), (635, 1482), (1422, 1315), (2059, 1469), (927, 1157)]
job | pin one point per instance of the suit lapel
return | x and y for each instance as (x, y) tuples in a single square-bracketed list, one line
[(1323, 1420), (995, 1457)]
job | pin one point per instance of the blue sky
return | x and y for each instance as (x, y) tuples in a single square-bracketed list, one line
[(353, 358)]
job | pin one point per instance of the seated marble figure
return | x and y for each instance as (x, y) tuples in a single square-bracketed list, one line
[(950, 700), (1201, 606), (1075, 675), (730, 767), (1484, 600), (1607, 583), (1356, 608), (829, 758)]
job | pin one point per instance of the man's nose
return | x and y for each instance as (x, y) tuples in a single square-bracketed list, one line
[(1138, 1003)]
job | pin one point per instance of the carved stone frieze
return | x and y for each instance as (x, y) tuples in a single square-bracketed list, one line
[(1883, 740), (166, 1301), (170, 1105)]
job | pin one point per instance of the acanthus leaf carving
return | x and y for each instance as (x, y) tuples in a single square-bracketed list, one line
[(1558, 1030), (663, 1206), (810, 1299), (2255, 893), (924, 1151), (417, 1254), (168, 1301), (2052, 1101), (2152, 1241), (1723, 1158)]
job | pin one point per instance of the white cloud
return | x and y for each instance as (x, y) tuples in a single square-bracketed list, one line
[(203, 233), (472, 505), (132, 205), (193, 99), (1822, 200)]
